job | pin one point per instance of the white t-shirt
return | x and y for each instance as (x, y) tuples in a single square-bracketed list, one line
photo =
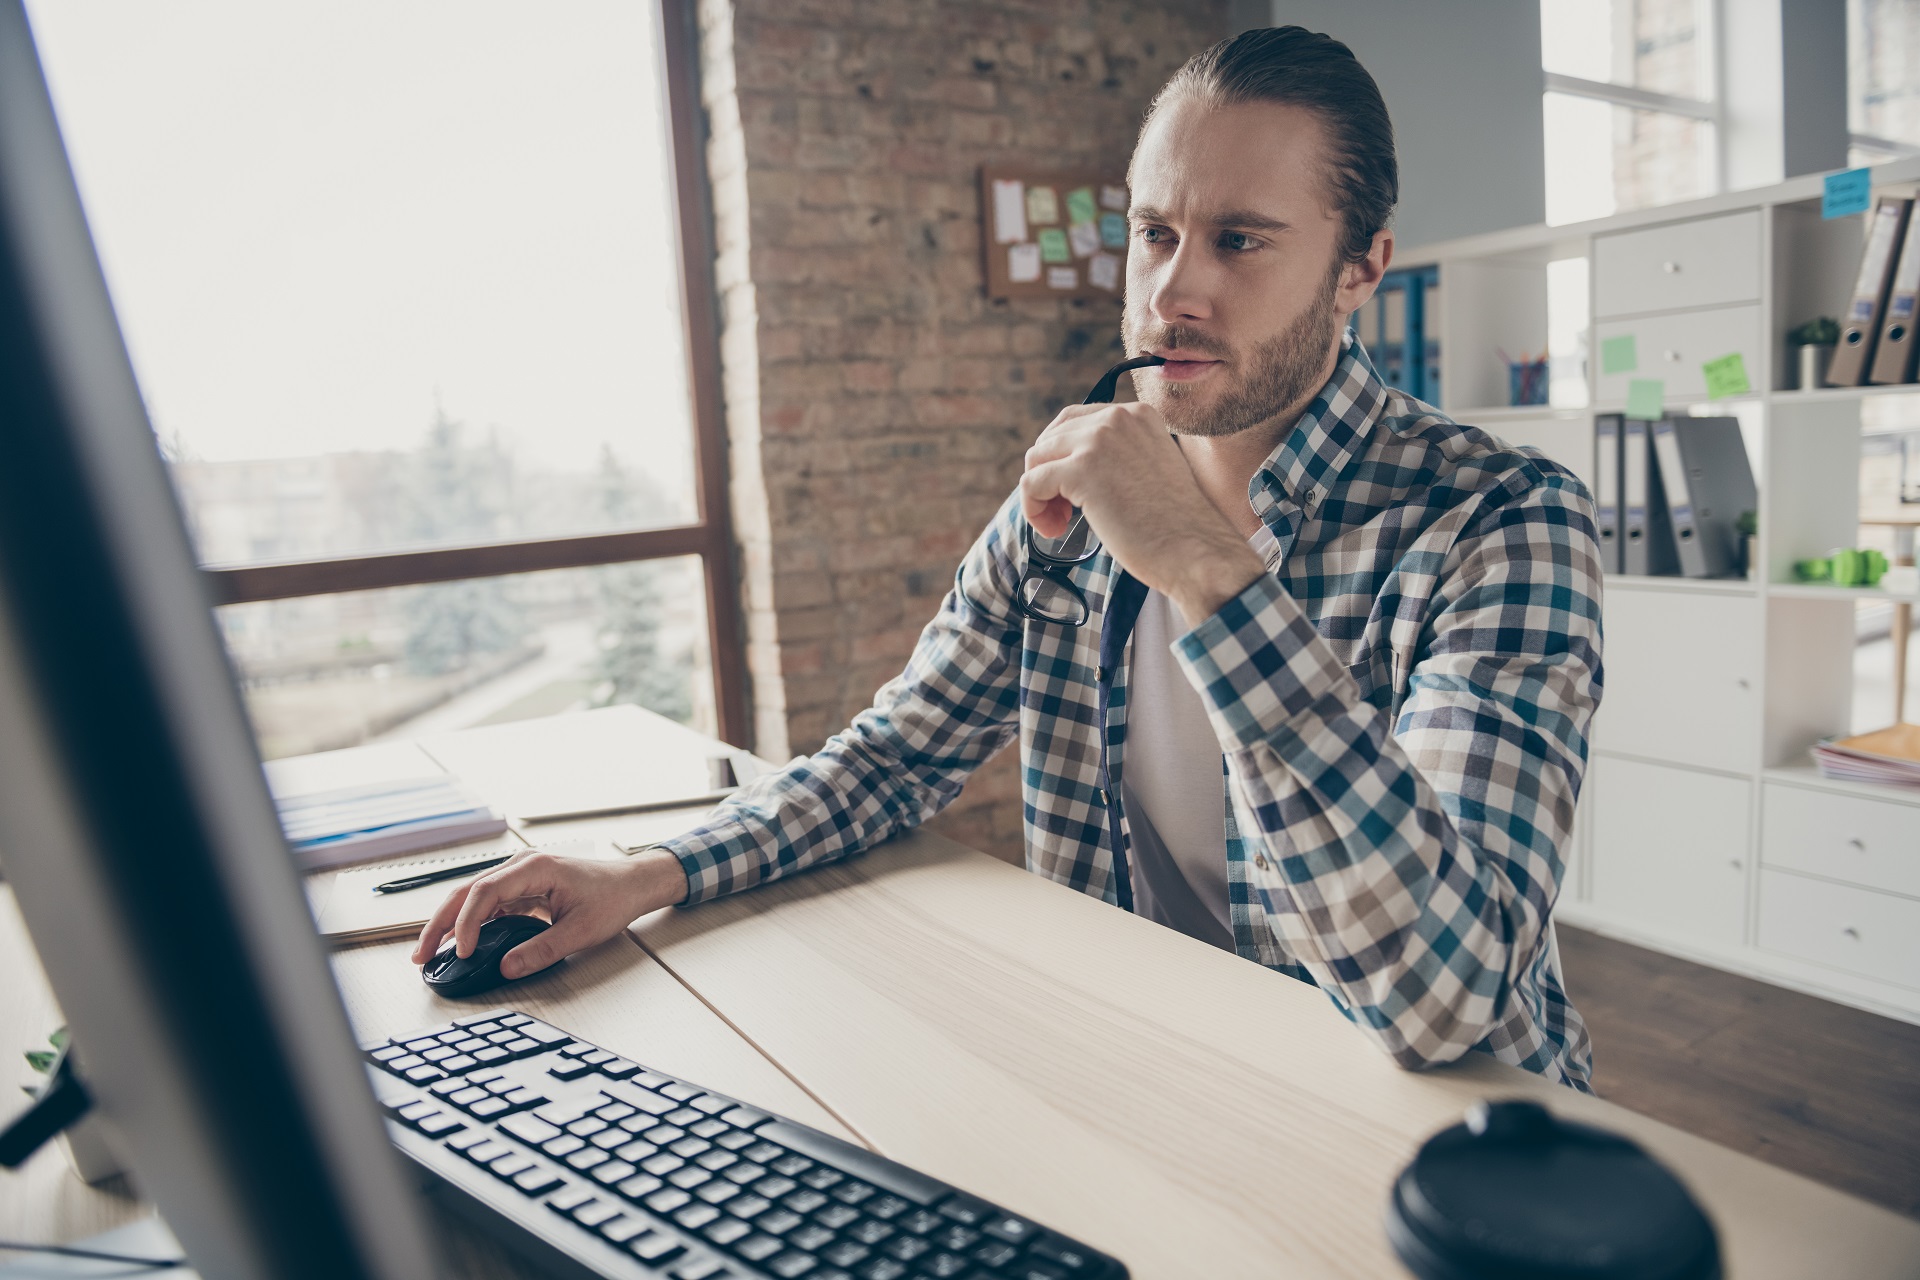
[(1173, 782)]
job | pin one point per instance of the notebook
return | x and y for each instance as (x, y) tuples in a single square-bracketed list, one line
[(364, 821), (353, 912), (1890, 755)]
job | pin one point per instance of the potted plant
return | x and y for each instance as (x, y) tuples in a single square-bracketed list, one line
[(88, 1154), (1814, 341)]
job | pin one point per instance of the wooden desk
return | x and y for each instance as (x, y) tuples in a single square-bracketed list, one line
[(1188, 1111)]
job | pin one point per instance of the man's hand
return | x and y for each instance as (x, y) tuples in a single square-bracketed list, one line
[(589, 900), (1119, 465)]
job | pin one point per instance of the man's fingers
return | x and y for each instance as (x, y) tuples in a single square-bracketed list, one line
[(525, 877), (1047, 508), (536, 954), (436, 928)]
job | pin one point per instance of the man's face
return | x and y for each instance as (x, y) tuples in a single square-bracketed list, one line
[(1233, 272)]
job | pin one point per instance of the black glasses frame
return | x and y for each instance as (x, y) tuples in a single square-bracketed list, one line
[(1048, 567)]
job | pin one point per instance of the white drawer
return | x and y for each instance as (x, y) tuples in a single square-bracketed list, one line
[(1682, 678), (1669, 849), (1703, 263), (1672, 348), (1872, 843), (1875, 934)]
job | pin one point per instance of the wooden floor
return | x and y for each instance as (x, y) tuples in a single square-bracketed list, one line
[(1819, 1088)]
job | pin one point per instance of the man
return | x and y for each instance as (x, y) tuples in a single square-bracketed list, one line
[(1385, 625)]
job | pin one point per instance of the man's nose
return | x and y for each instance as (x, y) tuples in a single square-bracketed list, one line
[(1183, 291)]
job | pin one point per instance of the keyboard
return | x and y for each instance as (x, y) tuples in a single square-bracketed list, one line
[(593, 1165)]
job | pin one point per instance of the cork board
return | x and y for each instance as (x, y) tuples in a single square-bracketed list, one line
[(1053, 234)]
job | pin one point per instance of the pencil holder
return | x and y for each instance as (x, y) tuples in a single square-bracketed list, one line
[(1527, 382)]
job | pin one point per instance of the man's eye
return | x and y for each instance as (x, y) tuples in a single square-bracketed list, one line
[(1237, 241), (1155, 235)]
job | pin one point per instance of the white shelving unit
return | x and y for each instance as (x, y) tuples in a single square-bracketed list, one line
[(1703, 829)]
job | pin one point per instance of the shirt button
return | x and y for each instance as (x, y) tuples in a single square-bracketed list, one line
[(1100, 675), (1102, 793), (1260, 861)]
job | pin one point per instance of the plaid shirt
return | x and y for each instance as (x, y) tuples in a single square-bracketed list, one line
[(1403, 706)]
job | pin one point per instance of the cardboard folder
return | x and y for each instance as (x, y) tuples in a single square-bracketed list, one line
[(1893, 359), (1860, 330), (1707, 482)]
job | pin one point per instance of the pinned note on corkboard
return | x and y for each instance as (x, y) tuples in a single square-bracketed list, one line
[(1059, 234)]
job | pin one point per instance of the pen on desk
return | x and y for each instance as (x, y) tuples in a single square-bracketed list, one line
[(444, 873)]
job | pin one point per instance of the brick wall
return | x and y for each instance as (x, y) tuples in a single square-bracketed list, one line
[(877, 403)]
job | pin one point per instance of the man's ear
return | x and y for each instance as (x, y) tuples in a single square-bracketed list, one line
[(1359, 280)]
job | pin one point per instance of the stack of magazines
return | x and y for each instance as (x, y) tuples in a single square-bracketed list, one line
[(1890, 756), (379, 820)]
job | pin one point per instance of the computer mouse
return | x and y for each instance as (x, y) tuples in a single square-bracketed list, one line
[(449, 975)]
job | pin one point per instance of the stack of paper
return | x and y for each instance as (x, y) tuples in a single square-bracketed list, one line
[(1890, 756), (378, 820)]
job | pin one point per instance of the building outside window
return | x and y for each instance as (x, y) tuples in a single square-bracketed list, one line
[(1629, 108), (402, 285), (1883, 79)]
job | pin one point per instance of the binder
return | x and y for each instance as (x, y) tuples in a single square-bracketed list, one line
[(1893, 359), (1707, 482), (1860, 330), (1606, 498), (1646, 539)]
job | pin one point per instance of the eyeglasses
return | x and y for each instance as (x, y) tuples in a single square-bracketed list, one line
[(1045, 592)]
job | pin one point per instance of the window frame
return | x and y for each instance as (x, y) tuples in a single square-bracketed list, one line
[(709, 536)]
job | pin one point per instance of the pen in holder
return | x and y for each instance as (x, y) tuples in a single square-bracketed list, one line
[(1526, 379)]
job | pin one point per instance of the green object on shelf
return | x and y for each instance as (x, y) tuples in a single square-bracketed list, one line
[(1645, 398), (1726, 376), (1821, 331), (1847, 567)]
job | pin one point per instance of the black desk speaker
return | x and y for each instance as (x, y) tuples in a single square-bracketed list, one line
[(1517, 1194)]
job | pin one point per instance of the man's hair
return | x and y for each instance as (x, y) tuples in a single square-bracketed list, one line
[(1302, 68)]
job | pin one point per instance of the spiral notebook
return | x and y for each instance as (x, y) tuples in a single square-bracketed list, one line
[(353, 912)]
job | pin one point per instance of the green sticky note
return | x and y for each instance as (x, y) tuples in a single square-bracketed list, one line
[(1080, 205), (1726, 376), (1617, 355), (1053, 246), (1646, 398)]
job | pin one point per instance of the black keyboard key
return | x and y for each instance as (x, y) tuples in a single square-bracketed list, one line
[(869, 1231), (1030, 1269), (656, 1247), (920, 1221), (942, 1265), (530, 1129), (612, 1172), (790, 1265), (965, 1210), (537, 1181), (764, 1152), (853, 1192), (1064, 1253), (996, 1254), (746, 1204), (888, 1208), (715, 1161), (779, 1222), (595, 1212), (774, 1186), (667, 1199), (906, 1248), (845, 1253), (956, 1238), (570, 1199), (640, 1184), (821, 1178), (622, 1229), (757, 1248), (881, 1269), (1012, 1230), (790, 1165), (836, 1216), (810, 1237), (805, 1201), (727, 1230), (744, 1172)]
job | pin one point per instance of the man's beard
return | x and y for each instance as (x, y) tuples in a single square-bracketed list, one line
[(1281, 372)]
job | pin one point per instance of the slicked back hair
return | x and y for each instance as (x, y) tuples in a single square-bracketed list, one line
[(1302, 68)]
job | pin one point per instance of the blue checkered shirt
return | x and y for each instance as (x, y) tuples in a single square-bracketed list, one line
[(1403, 706)]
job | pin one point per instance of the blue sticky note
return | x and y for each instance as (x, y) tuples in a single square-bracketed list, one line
[(1848, 192)]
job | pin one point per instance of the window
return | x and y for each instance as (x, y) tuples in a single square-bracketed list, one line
[(403, 286), (1883, 79), (1629, 109)]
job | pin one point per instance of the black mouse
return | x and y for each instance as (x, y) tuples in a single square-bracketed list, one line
[(453, 977)]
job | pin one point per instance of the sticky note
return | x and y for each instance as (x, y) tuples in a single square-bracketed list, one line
[(1103, 271), (1023, 263), (1646, 398), (1080, 206), (1009, 210), (1847, 192), (1726, 376), (1112, 197), (1042, 205), (1053, 245), (1617, 355), (1113, 231), (1062, 278), (1084, 238)]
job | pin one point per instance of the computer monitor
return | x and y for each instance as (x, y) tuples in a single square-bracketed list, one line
[(135, 826)]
